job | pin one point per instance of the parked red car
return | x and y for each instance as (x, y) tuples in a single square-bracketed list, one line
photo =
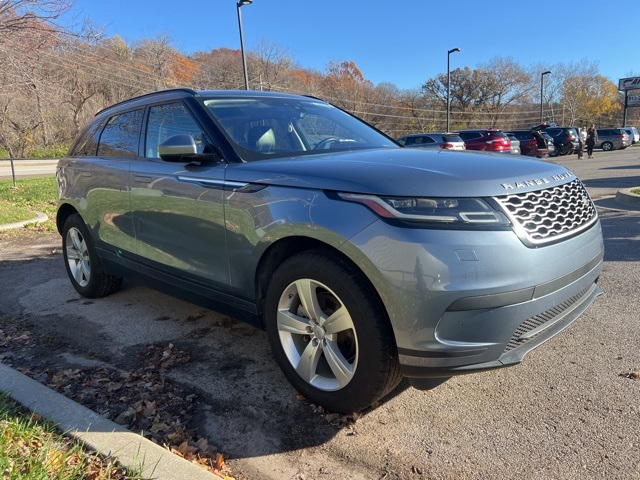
[(489, 139), (532, 142)]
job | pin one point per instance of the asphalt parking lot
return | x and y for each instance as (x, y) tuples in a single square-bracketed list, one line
[(570, 410)]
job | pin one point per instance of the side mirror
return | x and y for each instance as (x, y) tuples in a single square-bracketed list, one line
[(183, 148), (173, 148)]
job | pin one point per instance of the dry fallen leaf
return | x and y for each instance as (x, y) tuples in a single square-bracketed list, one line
[(219, 461)]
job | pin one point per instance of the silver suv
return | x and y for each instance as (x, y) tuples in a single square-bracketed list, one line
[(445, 141), (363, 261)]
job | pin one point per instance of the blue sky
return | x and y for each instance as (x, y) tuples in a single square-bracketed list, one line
[(402, 42)]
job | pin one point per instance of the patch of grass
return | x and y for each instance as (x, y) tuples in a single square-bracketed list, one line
[(50, 151), (636, 191), (31, 447), (11, 214), (32, 194)]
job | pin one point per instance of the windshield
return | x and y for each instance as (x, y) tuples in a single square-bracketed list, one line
[(268, 127)]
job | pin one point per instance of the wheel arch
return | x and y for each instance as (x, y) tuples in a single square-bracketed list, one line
[(64, 211), (285, 248)]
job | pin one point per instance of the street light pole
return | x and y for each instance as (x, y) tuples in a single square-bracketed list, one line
[(453, 50), (239, 4), (541, 90)]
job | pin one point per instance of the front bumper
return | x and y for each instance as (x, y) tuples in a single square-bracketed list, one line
[(531, 333), (463, 301)]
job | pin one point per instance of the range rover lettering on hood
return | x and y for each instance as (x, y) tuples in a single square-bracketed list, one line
[(537, 181)]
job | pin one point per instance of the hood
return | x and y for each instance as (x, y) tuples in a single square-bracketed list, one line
[(406, 172)]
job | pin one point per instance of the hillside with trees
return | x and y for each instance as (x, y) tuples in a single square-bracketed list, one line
[(53, 80)]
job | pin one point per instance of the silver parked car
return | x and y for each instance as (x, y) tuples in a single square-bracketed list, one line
[(364, 261), (634, 136), (515, 143), (445, 141), (612, 139)]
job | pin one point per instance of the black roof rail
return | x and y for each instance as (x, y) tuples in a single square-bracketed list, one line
[(168, 90)]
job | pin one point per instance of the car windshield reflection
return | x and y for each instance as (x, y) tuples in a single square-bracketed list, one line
[(262, 128)]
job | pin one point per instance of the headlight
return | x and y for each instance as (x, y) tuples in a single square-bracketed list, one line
[(461, 211)]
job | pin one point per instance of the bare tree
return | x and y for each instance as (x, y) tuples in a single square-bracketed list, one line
[(218, 68), (271, 64), (156, 55), (503, 84), (561, 88), (16, 15)]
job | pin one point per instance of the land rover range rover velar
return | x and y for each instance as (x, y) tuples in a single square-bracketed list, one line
[(363, 261)]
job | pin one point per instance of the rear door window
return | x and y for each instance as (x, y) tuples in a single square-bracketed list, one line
[(87, 144)]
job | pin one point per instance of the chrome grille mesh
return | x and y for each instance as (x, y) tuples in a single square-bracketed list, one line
[(540, 319), (550, 214)]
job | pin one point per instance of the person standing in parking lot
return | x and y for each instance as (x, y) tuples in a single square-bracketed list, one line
[(592, 138), (582, 138)]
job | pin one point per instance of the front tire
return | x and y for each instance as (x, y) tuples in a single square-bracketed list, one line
[(607, 146), (82, 262), (329, 333)]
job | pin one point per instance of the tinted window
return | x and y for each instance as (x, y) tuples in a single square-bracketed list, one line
[(497, 134), (423, 140), (451, 138), (121, 135), (87, 144), (523, 135), (168, 120), (469, 135)]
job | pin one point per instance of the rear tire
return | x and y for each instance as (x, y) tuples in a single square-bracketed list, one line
[(82, 262), (607, 146), (329, 333)]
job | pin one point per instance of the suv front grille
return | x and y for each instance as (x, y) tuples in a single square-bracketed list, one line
[(551, 214)]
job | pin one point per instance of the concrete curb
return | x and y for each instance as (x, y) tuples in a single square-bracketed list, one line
[(626, 197), (40, 217), (97, 432)]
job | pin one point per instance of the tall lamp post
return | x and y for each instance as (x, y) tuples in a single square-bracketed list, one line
[(541, 90), (239, 4), (453, 50)]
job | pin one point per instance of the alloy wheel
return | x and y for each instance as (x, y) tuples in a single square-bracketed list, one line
[(317, 335), (78, 257)]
